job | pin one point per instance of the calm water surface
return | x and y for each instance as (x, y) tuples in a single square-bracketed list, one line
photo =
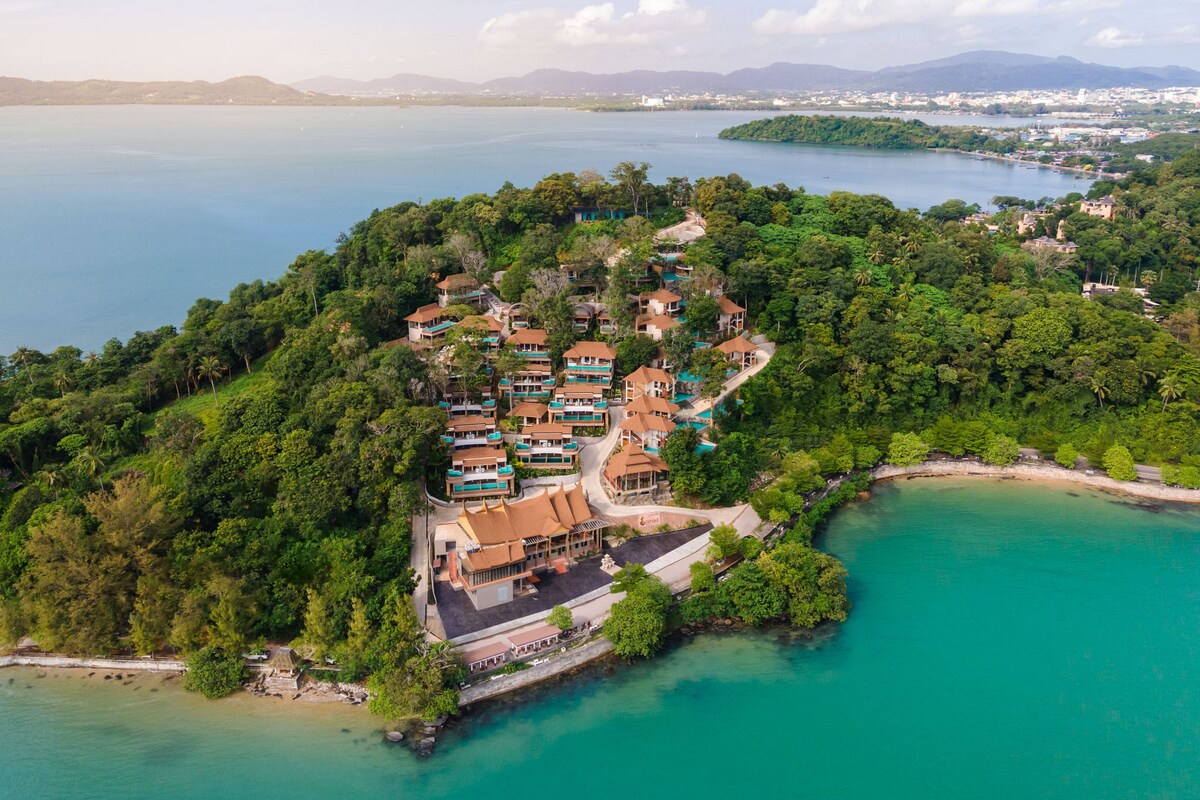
[(115, 219), (1007, 641)]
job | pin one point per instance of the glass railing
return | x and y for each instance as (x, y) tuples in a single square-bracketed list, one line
[(454, 473), (441, 326), (591, 367), (489, 403), (506, 470), (571, 446), (495, 437), (522, 446), (479, 487)]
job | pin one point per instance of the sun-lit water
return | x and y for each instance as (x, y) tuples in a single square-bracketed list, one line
[(1007, 641), (115, 219)]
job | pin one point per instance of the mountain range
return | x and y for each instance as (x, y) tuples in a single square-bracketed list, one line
[(978, 71)]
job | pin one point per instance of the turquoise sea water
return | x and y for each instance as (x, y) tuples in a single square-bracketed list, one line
[(1007, 641), (115, 219)]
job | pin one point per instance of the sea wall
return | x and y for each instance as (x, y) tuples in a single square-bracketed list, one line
[(123, 664), (486, 688), (1039, 472)]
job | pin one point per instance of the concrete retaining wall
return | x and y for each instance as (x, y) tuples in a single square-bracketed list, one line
[(124, 664), (649, 521), (502, 684)]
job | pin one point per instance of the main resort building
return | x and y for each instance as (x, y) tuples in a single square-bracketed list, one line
[(495, 552)]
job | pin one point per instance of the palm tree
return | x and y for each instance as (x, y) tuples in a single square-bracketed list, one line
[(63, 381), (1170, 388), (877, 256), (1100, 389), (91, 464), (905, 291), (211, 368), (862, 276), (91, 358), (54, 478), (23, 356)]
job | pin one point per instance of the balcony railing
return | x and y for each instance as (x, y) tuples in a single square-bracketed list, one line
[(566, 417), (591, 367), (479, 487)]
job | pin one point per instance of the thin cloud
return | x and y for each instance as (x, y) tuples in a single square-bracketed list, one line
[(1113, 37), (598, 24), (827, 17)]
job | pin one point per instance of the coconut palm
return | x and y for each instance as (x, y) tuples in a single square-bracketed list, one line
[(862, 276), (24, 356), (90, 464), (210, 367), (63, 381), (1100, 389), (1170, 388)]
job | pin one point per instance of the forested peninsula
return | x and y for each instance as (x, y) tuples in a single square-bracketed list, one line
[(253, 474), (884, 133)]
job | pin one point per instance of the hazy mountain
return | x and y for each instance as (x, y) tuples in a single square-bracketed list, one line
[(976, 71), (248, 90), (402, 83)]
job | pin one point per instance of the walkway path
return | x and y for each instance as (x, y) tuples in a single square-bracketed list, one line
[(691, 229)]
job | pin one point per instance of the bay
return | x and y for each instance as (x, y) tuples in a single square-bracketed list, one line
[(115, 219), (1007, 640)]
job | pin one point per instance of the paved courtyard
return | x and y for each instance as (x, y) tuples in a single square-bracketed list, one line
[(459, 617)]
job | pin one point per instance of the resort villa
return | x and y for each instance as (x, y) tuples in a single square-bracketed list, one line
[(547, 445), (1046, 243), (740, 352), (646, 430), (460, 290), (494, 553), (1105, 207), (633, 471), (535, 380), (598, 214), (529, 412), (662, 302), (462, 404), (479, 472), (472, 430), (428, 324), (654, 406), (649, 381), (657, 325), (590, 364), (579, 406), (732, 318)]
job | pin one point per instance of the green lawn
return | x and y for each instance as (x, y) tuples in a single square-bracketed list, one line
[(203, 405)]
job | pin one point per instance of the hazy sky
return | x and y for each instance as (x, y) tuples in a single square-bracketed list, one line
[(287, 40)]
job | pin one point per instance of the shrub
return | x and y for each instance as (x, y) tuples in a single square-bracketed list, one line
[(1067, 455), (214, 673), (1002, 451), (1187, 476), (703, 579), (1118, 463)]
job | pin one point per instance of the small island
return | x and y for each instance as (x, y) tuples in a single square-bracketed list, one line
[(884, 133)]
